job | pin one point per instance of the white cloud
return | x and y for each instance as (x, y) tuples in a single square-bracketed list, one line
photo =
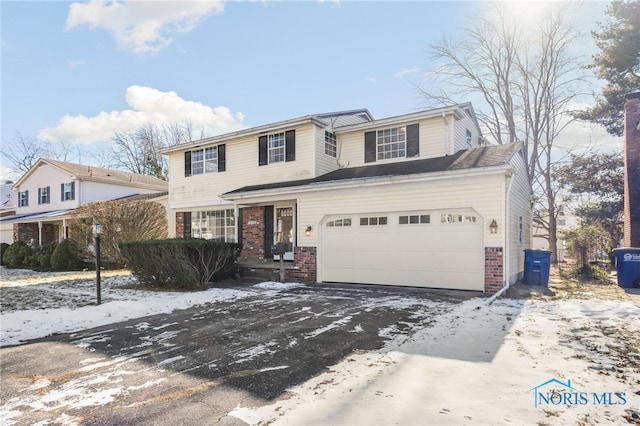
[(148, 105), (142, 26), (407, 71), (371, 79)]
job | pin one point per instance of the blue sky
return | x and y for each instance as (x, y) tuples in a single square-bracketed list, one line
[(78, 71)]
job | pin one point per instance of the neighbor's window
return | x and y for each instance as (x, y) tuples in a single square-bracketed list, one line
[(330, 144), (68, 191), (218, 225), (373, 221), (391, 143), (44, 195), (414, 219), (469, 139), (276, 148), (23, 198)]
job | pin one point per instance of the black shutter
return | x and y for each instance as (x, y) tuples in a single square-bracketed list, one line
[(62, 192), (39, 195), (240, 226), (222, 158), (187, 225), (268, 231), (48, 194), (290, 145), (26, 198), (187, 164), (262, 147), (73, 190), (413, 140), (369, 147)]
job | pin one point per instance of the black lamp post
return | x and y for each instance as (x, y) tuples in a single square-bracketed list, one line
[(97, 228)]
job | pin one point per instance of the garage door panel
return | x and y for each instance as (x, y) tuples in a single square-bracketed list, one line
[(439, 255)]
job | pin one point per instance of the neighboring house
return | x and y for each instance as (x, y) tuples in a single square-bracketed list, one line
[(49, 192), (406, 200), (566, 220), (7, 208)]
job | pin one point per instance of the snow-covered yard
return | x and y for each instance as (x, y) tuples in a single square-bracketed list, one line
[(571, 357)]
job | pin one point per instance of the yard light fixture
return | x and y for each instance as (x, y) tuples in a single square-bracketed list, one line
[(97, 229), (493, 227), (307, 231)]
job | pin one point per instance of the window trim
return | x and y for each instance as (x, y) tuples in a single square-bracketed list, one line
[(330, 144), (198, 158), (44, 195), (23, 198)]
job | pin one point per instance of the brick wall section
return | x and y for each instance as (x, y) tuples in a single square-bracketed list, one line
[(252, 234), (25, 232), (305, 266), (632, 171), (493, 269), (180, 225)]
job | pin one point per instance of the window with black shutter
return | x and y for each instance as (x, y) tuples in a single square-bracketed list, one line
[(413, 140), (369, 147)]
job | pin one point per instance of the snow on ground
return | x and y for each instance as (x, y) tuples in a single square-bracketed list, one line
[(34, 305), (480, 364), (506, 361)]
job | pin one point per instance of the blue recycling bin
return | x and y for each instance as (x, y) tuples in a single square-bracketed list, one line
[(537, 264), (628, 267)]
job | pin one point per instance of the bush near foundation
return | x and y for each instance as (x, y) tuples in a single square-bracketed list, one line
[(17, 255), (67, 256), (180, 264)]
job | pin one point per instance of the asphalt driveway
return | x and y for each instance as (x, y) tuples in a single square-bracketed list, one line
[(196, 365)]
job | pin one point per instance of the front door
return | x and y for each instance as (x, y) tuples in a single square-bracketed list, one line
[(284, 231)]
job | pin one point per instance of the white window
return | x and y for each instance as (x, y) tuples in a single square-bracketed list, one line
[(23, 198), (414, 219), (339, 222), (218, 225), (469, 139), (67, 191), (457, 218), (373, 221), (391, 143), (330, 144), (43, 195), (276, 148)]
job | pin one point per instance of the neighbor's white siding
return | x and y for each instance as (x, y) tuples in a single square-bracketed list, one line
[(461, 126), (325, 163), (42, 177)]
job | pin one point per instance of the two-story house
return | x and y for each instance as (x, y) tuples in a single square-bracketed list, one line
[(414, 200), (49, 192)]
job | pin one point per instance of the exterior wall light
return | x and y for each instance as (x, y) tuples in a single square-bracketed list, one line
[(493, 227), (307, 231)]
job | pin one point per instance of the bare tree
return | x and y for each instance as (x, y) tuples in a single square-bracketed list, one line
[(138, 151), (526, 81), (24, 152)]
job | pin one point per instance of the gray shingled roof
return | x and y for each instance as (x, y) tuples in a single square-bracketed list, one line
[(118, 176), (489, 156)]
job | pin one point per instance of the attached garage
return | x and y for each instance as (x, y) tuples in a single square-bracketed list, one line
[(435, 248)]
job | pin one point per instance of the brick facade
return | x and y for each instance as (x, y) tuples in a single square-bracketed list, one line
[(305, 266), (493, 269), (632, 171), (28, 233), (180, 225), (252, 234)]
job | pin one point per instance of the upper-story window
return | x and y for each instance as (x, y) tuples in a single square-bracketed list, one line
[(394, 142), (391, 143), (23, 198), (205, 160), (68, 191), (277, 147), (330, 144), (469, 139), (44, 195)]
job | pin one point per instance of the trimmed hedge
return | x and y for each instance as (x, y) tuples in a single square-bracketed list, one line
[(179, 263), (67, 256), (17, 255)]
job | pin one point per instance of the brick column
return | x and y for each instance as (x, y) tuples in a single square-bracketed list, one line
[(493, 269), (304, 266), (632, 170), (252, 234), (180, 225)]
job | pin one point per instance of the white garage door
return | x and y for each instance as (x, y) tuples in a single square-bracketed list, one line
[(439, 249)]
